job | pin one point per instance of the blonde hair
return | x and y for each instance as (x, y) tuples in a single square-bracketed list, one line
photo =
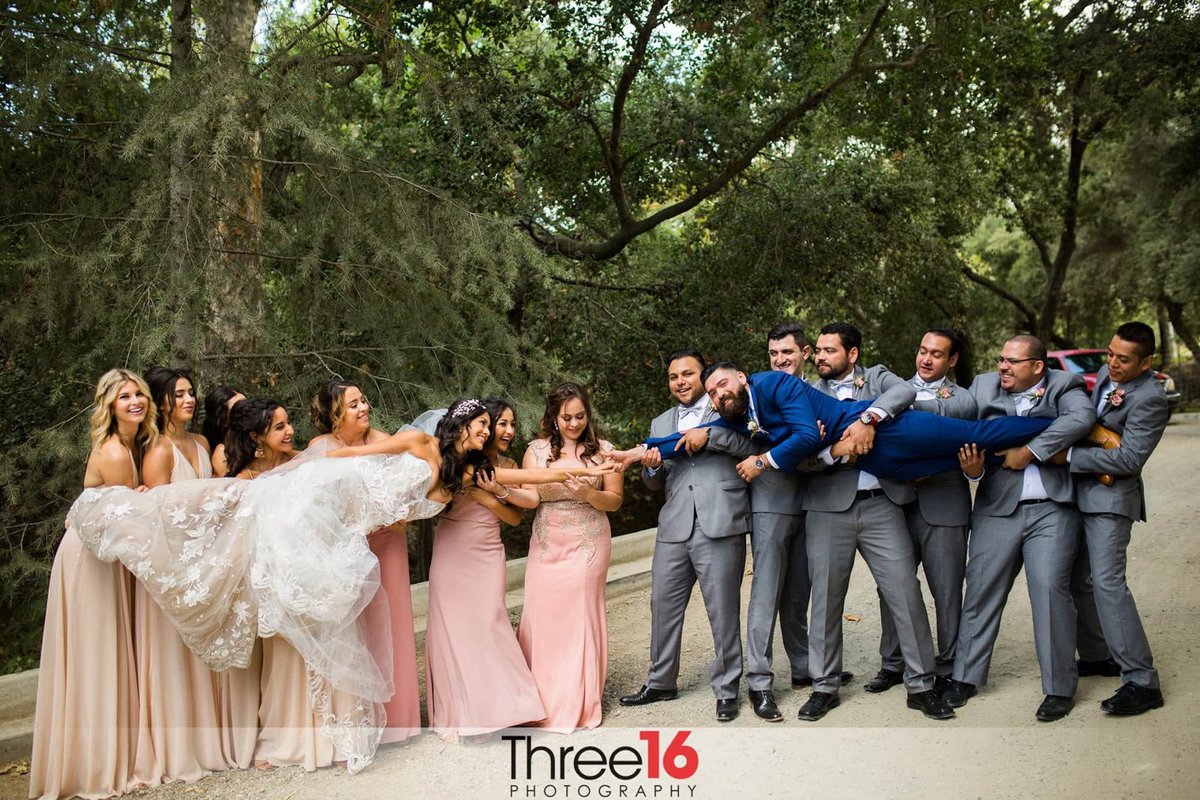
[(104, 421)]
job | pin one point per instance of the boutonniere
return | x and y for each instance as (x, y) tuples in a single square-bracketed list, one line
[(755, 429), (943, 393), (1037, 393), (860, 382), (1115, 398)]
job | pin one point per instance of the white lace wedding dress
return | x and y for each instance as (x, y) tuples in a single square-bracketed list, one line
[(286, 554)]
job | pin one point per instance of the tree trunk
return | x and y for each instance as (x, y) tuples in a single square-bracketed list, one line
[(1175, 310), (233, 278), (181, 187), (1164, 336)]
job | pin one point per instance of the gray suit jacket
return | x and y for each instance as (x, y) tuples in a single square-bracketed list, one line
[(704, 487), (1141, 419), (833, 489), (1066, 399), (945, 499)]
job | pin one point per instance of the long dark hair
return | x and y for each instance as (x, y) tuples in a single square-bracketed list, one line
[(554, 402), (216, 415), (459, 415), (329, 405), (246, 417), (495, 407), (162, 381)]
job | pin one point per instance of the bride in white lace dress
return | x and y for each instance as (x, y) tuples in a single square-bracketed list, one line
[(287, 554)]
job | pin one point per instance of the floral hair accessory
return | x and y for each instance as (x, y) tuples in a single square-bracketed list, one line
[(466, 408)]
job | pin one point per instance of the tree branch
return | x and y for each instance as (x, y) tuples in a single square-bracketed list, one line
[(1038, 242), (631, 228), (1026, 310)]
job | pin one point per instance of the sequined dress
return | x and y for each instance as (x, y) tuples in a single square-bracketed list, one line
[(564, 625)]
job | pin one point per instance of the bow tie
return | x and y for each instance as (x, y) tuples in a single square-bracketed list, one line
[(687, 411), (846, 384), (1031, 396), (921, 385)]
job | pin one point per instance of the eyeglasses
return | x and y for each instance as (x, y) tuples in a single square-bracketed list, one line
[(1002, 360)]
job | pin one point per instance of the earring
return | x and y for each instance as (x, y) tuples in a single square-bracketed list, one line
[(258, 452)]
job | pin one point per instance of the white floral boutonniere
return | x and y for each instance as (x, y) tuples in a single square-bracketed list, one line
[(755, 429), (1037, 393), (860, 382), (943, 393), (1115, 398)]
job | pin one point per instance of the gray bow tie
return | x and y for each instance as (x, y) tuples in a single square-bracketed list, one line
[(846, 384), (921, 385)]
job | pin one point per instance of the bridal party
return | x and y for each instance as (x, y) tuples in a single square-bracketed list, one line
[(223, 599)]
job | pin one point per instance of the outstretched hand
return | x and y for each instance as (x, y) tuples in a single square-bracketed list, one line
[(624, 459)]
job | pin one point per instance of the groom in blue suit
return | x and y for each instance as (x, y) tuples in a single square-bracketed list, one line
[(782, 412)]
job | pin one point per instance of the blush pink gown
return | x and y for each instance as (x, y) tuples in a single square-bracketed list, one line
[(180, 736), (390, 546), (477, 680), (564, 627)]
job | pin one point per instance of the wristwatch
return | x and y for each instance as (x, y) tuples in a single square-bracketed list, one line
[(759, 464), (868, 419)]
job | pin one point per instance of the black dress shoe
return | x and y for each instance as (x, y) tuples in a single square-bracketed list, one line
[(1104, 669), (647, 695), (884, 680), (800, 683), (764, 705), (727, 709), (957, 693), (929, 704), (1054, 707), (818, 705), (1132, 699)]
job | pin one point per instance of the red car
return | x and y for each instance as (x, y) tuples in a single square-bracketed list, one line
[(1088, 362)]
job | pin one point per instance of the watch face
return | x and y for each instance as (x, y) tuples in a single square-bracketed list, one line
[(758, 463)]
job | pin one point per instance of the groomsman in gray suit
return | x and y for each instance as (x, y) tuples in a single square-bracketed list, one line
[(780, 585), (701, 536), (1131, 402), (851, 510), (938, 520), (1024, 515)]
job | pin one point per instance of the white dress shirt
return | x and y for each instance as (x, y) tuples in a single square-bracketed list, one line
[(1032, 487)]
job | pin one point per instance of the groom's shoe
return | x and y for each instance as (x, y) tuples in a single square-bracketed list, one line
[(764, 705), (1133, 699), (819, 704), (884, 680), (727, 709), (929, 704), (646, 695), (1054, 708)]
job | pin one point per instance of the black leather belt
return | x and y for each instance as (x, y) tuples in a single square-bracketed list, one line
[(1034, 502), (866, 494)]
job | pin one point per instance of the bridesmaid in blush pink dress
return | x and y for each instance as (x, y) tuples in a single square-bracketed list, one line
[(179, 730), (342, 416), (477, 680), (86, 725), (564, 627)]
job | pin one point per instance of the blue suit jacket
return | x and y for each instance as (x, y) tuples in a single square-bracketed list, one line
[(787, 409)]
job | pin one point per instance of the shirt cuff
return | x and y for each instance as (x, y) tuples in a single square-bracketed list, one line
[(770, 460), (879, 412), (826, 457), (1036, 455), (975, 479), (651, 471)]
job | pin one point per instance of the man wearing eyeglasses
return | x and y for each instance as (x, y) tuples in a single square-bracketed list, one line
[(1024, 514)]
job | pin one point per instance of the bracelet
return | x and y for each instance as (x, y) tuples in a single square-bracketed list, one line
[(507, 492)]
